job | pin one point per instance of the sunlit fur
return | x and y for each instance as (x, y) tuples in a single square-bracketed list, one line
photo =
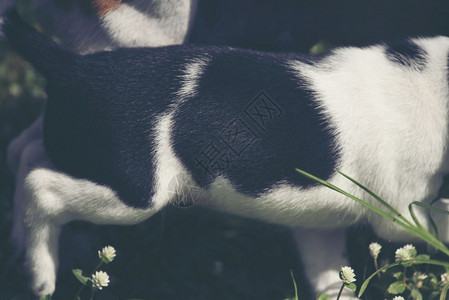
[(385, 109)]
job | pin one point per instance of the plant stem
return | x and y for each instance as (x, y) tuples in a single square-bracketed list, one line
[(82, 286), (377, 267), (79, 292), (341, 290)]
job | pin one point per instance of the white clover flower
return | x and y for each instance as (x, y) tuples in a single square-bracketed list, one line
[(107, 254), (398, 298), (374, 249), (347, 275), (444, 278), (100, 279), (420, 276), (405, 253)]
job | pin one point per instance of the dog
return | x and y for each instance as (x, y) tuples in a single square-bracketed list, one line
[(105, 25), (233, 124)]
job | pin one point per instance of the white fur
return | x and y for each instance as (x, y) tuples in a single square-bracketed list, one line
[(168, 166), (323, 273), (190, 77), (154, 23), (391, 123), (138, 23)]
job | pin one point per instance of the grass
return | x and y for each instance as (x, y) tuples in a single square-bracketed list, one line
[(406, 283)]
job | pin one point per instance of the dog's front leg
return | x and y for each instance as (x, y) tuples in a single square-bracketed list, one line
[(323, 252), (52, 199)]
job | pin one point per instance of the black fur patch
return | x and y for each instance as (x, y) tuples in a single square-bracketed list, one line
[(250, 113), (253, 124), (99, 121), (407, 54)]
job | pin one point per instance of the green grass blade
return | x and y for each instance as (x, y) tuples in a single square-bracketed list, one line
[(434, 209), (430, 207), (294, 285), (415, 219), (375, 196), (364, 203), (434, 227), (367, 281), (419, 232)]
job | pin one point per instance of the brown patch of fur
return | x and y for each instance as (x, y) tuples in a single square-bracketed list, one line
[(102, 7)]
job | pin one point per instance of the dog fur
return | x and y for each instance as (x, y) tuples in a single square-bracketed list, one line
[(378, 113)]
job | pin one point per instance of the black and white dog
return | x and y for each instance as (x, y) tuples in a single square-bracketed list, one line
[(231, 126)]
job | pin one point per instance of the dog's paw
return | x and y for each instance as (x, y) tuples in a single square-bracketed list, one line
[(43, 285), (41, 255), (42, 268)]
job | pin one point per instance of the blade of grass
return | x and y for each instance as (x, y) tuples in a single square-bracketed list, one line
[(419, 232), (375, 196), (294, 285), (430, 207), (364, 203), (422, 232), (415, 219), (434, 209), (367, 281)]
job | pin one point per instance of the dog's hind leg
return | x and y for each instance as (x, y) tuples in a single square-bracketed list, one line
[(53, 199), (323, 252)]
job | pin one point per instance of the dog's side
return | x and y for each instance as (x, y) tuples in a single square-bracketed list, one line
[(233, 125)]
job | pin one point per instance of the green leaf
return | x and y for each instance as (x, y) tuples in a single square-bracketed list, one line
[(351, 286), (416, 295), (397, 287), (423, 257), (46, 297), (323, 297), (294, 285), (79, 275), (434, 295), (398, 275)]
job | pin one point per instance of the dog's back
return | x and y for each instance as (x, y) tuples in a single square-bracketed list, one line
[(104, 113), (133, 119)]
